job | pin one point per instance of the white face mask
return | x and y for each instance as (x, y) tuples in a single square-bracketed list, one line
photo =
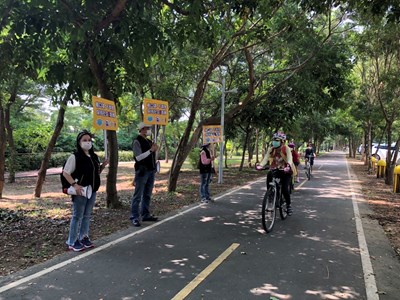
[(148, 132), (86, 145)]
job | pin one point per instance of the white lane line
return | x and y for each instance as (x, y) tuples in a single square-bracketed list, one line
[(369, 276), (112, 243)]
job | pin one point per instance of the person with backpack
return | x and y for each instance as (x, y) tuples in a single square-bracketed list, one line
[(206, 170), (82, 171), (296, 159), (280, 157)]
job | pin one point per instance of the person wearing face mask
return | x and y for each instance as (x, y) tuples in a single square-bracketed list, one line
[(144, 151), (280, 157), (82, 170)]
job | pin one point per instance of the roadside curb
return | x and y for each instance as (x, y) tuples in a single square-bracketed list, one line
[(385, 262)]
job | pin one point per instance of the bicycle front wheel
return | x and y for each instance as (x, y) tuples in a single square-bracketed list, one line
[(269, 210), (308, 173), (283, 208)]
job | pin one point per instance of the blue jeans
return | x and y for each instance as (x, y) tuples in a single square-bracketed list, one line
[(82, 208), (144, 183), (205, 185)]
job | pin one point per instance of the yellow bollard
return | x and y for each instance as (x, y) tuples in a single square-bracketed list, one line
[(373, 162), (381, 168), (396, 179)]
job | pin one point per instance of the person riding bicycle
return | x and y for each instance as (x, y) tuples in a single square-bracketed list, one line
[(280, 157), (309, 155), (296, 159)]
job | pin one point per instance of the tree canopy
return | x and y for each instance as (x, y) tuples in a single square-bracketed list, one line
[(311, 68)]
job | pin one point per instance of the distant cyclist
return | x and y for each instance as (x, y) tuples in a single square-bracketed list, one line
[(309, 155), (280, 157)]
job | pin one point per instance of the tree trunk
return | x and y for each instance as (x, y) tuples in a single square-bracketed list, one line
[(246, 140), (251, 145), (257, 142), (368, 148), (10, 136), (354, 147), (165, 146), (180, 156), (111, 187), (350, 144), (185, 145), (161, 138), (47, 155), (364, 143), (389, 168), (2, 149), (394, 160), (105, 92), (396, 151)]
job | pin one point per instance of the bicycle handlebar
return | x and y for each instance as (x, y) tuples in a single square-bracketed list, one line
[(259, 168)]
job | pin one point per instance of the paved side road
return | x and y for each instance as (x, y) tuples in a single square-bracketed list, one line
[(219, 251), (34, 173)]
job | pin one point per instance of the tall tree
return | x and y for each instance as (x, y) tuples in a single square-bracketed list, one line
[(382, 49)]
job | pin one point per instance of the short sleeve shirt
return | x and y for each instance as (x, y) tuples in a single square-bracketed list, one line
[(70, 165)]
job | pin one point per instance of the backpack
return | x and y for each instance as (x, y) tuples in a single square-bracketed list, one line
[(65, 185), (295, 156)]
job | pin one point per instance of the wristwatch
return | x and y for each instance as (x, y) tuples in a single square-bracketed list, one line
[(72, 184)]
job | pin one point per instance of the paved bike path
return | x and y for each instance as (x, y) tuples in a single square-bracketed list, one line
[(314, 254)]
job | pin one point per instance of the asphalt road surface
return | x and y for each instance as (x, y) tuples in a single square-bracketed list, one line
[(326, 250)]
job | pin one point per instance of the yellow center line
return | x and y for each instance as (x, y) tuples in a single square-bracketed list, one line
[(203, 275), (301, 184)]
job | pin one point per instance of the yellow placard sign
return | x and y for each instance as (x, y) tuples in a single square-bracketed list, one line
[(104, 114), (212, 134), (155, 111)]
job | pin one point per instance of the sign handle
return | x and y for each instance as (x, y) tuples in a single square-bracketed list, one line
[(105, 145), (155, 139)]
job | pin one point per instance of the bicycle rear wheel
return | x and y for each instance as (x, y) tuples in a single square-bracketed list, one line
[(269, 210), (308, 173)]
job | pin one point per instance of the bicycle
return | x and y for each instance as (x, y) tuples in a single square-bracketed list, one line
[(308, 167), (273, 201)]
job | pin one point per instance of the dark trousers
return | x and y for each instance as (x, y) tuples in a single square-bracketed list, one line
[(285, 181)]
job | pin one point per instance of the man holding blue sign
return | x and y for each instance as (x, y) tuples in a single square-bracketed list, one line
[(144, 151)]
